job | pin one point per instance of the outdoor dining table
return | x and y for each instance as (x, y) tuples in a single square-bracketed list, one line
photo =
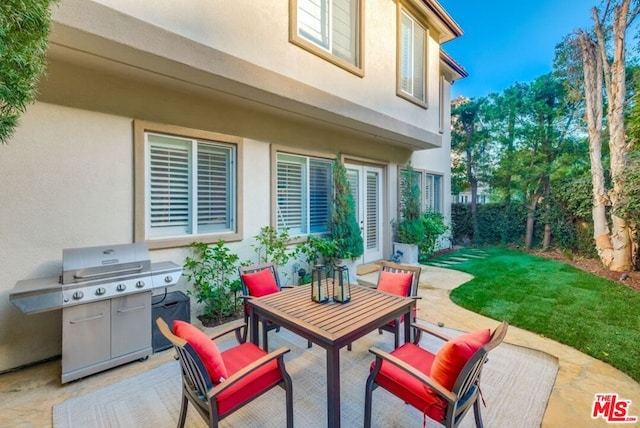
[(330, 325)]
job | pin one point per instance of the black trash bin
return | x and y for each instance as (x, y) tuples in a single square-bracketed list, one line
[(170, 307)]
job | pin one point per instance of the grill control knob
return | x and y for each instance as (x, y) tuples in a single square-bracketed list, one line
[(168, 279), (78, 295), (140, 284), (100, 291), (121, 287)]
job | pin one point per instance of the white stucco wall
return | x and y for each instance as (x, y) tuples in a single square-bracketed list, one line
[(258, 31)]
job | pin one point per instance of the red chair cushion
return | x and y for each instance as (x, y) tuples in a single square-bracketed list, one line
[(205, 348), (406, 387), (260, 283), (397, 283), (251, 385), (454, 354)]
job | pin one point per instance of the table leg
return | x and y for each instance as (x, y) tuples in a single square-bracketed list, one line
[(333, 387)]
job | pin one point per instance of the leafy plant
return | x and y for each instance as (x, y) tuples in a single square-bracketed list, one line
[(343, 226), (212, 271), (433, 225), (24, 32), (273, 246), (311, 250), (409, 227)]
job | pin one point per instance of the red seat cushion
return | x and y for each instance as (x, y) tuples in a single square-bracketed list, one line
[(260, 283), (205, 348), (397, 283), (408, 388), (454, 354), (251, 385)]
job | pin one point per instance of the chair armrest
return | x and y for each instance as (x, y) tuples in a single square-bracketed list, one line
[(234, 326), (246, 296), (415, 297), (432, 332), (288, 286), (431, 383), (240, 374)]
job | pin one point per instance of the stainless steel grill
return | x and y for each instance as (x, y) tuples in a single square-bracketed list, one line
[(105, 296)]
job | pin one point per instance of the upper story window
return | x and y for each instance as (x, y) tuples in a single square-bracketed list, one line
[(304, 191), (331, 29), (412, 54), (186, 186)]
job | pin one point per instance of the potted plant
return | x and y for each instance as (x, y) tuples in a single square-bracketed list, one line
[(409, 228), (343, 225)]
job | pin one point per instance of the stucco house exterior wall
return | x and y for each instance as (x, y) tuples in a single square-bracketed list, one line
[(74, 172)]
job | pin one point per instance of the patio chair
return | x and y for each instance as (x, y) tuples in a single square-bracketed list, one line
[(445, 385), (401, 280), (219, 383), (260, 280)]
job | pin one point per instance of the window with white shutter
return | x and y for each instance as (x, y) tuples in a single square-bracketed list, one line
[(303, 194), (412, 54), (330, 29), (186, 186), (433, 192)]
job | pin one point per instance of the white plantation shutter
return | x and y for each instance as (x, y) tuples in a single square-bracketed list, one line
[(345, 29), (373, 201), (169, 185), (313, 21), (290, 181), (190, 186), (418, 61), (406, 57), (332, 25), (304, 194), (319, 195), (214, 187), (412, 57)]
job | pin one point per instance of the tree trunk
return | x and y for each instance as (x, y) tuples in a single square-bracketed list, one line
[(593, 75), (546, 240), (531, 212)]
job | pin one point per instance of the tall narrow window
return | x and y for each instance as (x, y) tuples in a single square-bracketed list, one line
[(412, 59), (303, 194), (330, 29), (433, 193)]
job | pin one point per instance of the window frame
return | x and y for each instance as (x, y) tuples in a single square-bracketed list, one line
[(404, 10), (141, 164), (275, 152), (423, 177), (324, 53)]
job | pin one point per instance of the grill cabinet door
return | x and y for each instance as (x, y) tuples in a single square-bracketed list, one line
[(130, 323), (85, 335)]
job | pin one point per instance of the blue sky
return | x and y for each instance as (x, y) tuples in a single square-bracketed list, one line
[(507, 41)]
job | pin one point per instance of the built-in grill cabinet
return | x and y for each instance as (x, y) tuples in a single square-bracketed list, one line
[(105, 296)]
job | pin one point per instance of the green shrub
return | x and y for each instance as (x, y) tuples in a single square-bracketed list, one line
[(213, 273)]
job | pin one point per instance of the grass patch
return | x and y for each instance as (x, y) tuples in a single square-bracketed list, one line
[(591, 314)]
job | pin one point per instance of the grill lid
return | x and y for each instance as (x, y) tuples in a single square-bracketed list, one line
[(89, 263)]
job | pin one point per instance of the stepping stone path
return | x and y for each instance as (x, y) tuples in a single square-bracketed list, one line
[(457, 257)]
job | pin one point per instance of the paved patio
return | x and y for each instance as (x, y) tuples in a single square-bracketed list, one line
[(579, 378)]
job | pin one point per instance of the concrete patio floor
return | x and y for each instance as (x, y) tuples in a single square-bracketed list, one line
[(579, 377), (27, 396)]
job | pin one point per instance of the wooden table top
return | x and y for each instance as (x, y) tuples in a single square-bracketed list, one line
[(332, 323)]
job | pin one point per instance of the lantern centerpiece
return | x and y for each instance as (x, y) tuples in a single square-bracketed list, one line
[(341, 285), (319, 284)]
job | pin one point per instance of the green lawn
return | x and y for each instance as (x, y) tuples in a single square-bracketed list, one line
[(591, 314)]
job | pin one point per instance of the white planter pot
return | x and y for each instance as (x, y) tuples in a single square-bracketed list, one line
[(408, 253)]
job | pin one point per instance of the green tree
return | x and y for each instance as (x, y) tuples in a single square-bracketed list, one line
[(24, 31), (343, 226)]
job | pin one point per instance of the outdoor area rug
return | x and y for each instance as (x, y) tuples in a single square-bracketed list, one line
[(516, 385)]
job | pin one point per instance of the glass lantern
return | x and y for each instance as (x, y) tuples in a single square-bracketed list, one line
[(319, 284), (341, 285)]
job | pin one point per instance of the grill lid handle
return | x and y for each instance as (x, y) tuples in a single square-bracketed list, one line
[(94, 275)]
